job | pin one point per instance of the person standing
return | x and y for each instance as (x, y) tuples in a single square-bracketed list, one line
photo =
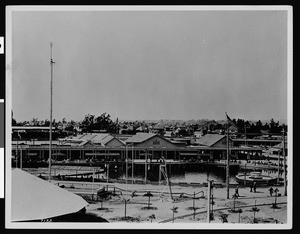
[(271, 191), (237, 191), (276, 191), (254, 187), (251, 186)]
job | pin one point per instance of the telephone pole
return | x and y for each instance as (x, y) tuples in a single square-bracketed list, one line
[(227, 162), (51, 105)]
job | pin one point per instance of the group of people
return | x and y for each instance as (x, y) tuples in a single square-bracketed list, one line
[(253, 189), (271, 190)]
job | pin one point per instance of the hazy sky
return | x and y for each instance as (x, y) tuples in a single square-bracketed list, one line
[(150, 64)]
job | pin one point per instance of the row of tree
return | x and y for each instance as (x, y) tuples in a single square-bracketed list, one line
[(88, 124), (272, 127), (92, 123), (102, 122)]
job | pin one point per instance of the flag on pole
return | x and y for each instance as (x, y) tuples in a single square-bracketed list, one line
[(229, 121)]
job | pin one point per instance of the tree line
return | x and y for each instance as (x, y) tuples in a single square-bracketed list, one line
[(104, 123)]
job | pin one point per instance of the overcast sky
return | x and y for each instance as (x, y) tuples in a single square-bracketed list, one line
[(150, 64)]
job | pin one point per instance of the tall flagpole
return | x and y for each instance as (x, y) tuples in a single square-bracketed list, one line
[(227, 161), (227, 164), (51, 104)]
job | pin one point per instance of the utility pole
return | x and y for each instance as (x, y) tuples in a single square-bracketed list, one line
[(126, 166), (51, 105), (208, 200), (284, 161), (227, 165)]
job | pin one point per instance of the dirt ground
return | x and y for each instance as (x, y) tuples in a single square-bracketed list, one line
[(161, 205)]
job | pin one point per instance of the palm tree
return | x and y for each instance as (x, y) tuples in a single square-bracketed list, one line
[(151, 217), (175, 210), (148, 194), (240, 211), (125, 201)]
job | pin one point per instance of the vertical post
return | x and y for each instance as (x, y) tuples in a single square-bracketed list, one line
[(284, 162), (126, 168), (268, 164), (227, 165), (159, 175), (254, 213), (194, 200), (107, 173), (234, 202), (208, 201), (21, 160), (132, 167), (194, 208), (245, 174), (17, 153), (278, 168), (93, 184), (146, 152), (125, 207), (51, 104)]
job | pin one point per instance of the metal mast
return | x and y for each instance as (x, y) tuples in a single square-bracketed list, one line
[(227, 162), (51, 106)]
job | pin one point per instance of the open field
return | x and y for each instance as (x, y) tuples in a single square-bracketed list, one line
[(160, 206)]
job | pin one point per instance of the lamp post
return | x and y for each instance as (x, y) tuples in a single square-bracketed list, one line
[(51, 105)]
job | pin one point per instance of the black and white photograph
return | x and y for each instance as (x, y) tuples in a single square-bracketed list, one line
[(149, 117)]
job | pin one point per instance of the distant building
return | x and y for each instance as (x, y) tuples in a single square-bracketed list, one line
[(149, 140), (213, 140), (96, 139), (198, 134), (169, 134)]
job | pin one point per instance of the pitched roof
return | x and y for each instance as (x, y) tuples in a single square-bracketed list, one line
[(107, 139), (209, 139), (279, 146), (33, 198), (86, 142), (99, 137), (140, 137), (87, 137)]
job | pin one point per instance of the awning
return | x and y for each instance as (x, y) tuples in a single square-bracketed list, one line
[(34, 199)]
